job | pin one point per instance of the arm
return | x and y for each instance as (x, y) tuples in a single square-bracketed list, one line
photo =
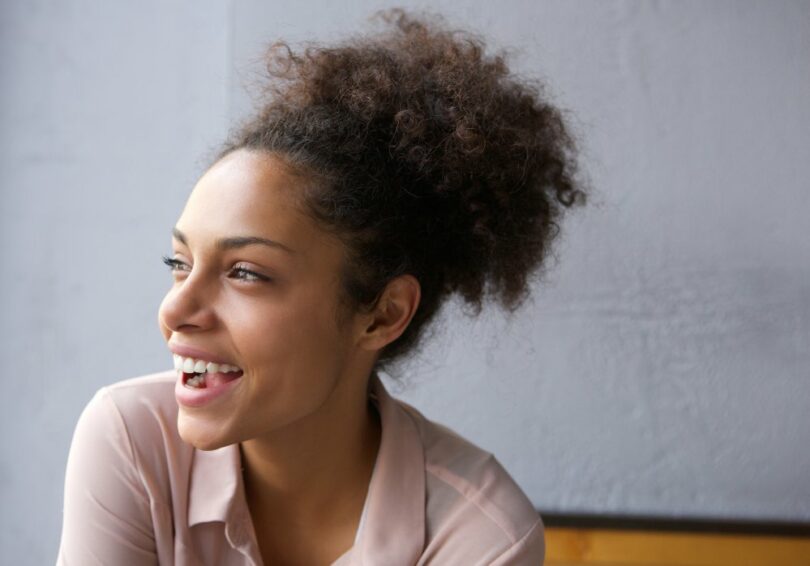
[(107, 518)]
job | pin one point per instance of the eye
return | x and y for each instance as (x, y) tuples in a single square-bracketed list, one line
[(244, 274), (174, 264), (238, 272)]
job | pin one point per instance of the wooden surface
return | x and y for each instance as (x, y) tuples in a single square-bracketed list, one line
[(611, 547)]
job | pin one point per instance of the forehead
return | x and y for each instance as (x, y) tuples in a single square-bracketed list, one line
[(245, 187), (251, 194)]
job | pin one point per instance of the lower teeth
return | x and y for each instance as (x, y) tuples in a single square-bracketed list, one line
[(197, 382)]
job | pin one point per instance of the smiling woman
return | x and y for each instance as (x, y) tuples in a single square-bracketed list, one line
[(381, 176), (270, 310)]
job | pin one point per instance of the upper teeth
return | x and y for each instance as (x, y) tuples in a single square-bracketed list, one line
[(190, 365)]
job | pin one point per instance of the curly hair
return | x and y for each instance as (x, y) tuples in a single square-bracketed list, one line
[(428, 159)]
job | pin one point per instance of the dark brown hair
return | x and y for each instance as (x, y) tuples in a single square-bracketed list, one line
[(427, 158)]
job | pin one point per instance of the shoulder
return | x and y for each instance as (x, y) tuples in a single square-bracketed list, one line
[(474, 510), (147, 400), (124, 462), (136, 420), (143, 406)]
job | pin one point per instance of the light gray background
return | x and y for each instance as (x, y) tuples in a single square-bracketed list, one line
[(663, 366)]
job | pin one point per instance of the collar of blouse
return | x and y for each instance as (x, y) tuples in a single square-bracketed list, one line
[(393, 528)]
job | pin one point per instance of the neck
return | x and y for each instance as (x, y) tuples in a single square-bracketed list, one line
[(317, 470)]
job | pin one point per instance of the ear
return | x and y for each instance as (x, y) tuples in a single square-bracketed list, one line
[(391, 315)]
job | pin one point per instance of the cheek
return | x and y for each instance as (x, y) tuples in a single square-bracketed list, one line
[(303, 332)]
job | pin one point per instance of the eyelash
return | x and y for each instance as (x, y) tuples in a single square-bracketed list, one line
[(247, 275)]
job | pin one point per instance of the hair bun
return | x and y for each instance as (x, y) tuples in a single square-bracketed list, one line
[(434, 160)]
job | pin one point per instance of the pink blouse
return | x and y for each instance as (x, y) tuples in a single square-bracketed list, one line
[(136, 494)]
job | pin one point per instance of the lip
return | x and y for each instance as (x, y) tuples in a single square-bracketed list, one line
[(195, 398), (197, 354)]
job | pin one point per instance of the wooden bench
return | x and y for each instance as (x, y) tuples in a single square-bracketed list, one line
[(606, 541)]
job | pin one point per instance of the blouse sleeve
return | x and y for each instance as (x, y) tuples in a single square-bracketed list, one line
[(528, 551), (107, 518)]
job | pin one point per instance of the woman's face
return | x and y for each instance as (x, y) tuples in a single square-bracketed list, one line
[(268, 308)]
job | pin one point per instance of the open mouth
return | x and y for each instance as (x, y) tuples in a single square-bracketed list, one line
[(204, 380)]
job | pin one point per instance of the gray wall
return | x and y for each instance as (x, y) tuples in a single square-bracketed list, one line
[(663, 366)]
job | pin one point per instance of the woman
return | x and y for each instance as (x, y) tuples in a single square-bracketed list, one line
[(381, 176)]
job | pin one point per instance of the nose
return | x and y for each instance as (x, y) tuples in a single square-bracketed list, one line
[(186, 308)]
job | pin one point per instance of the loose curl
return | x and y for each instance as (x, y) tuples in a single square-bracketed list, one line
[(427, 158)]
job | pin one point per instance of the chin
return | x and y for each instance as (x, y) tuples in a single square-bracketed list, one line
[(195, 433)]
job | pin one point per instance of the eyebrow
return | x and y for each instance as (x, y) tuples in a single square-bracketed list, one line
[(237, 242)]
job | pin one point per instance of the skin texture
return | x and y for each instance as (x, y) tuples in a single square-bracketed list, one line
[(300, 413)]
